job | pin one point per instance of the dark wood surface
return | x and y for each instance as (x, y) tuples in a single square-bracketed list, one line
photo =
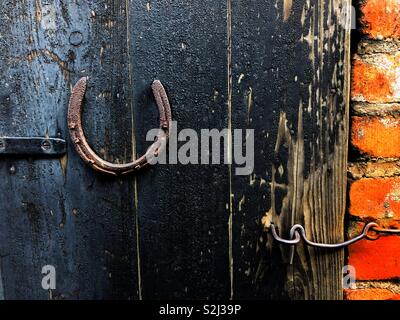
[(182, 209), (290, 73), (174, 231)]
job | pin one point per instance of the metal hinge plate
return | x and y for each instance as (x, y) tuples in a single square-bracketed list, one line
[(32, 146)]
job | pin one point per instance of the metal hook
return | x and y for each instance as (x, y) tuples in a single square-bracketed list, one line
[(291, 242), (300, 233), (86, 152)]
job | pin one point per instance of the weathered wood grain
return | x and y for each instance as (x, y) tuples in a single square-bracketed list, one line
[(290, 76)]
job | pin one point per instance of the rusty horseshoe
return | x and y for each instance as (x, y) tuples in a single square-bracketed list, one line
[(86, 152)]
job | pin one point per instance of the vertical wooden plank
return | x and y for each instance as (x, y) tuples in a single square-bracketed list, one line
[(1, 283), (59, 212), (290, 77), (183, 209)]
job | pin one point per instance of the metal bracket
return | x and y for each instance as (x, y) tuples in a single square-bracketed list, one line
[(18, 146)]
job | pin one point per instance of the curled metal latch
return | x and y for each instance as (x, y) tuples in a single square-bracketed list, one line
[(298, 233), (86, 152)]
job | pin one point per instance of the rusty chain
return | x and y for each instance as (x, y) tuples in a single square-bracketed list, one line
[(298, 233)]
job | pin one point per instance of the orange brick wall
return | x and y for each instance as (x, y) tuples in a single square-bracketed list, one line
[(374, 169)]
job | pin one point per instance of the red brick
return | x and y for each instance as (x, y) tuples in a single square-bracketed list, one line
[(380, 18), (376, 260), (370, 294), (376, 79), (375, 198), (377, 136), (370, 83)]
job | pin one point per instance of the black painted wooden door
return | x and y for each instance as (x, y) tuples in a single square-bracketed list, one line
[(174, 231)]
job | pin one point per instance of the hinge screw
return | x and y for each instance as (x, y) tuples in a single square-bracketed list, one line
[(46, 145)]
